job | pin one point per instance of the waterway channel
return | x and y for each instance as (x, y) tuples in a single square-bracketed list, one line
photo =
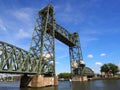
[(65, 85)]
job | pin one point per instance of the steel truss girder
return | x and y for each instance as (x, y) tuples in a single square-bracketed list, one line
[(64, 36), (16, 60)]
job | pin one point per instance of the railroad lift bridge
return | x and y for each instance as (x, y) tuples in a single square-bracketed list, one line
[(40, 59)]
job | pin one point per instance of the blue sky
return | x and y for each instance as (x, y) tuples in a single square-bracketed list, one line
[(96, 21)]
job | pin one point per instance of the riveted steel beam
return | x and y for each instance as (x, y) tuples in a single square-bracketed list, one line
[(16, 60)]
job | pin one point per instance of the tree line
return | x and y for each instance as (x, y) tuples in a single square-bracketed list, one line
[(65, 75), (108, 69)]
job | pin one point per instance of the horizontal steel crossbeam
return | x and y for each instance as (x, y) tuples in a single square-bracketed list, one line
[(63, 35)]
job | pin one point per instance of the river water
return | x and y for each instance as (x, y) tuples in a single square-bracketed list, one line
[(65, 85)]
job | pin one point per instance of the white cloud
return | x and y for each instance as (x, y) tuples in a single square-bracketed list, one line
[(66, 14), (103, 54), (2, 25), (90, 56), (21, 15), (98, 63), (118, 65), (96, 71), (23, 34), (57, 62), (88, 36), (69, 13), (63, 56), (89, 32), (24, 14), (91, 3), (85, 40), (0, 52), (68, 8)]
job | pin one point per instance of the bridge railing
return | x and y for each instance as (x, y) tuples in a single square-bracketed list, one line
[(17, 60)]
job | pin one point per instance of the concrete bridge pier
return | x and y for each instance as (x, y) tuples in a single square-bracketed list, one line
[(80, 78), (37, 81), (25, 80)]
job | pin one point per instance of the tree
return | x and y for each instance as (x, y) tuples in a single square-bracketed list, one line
[(65, 75), (110, 68), (104, 68), (114, 69)]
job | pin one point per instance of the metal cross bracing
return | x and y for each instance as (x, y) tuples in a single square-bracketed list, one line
[(16, 60), (76, 58), (41, 56), (43, 41)]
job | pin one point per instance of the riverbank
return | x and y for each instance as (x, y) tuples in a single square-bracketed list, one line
[(110, 78)]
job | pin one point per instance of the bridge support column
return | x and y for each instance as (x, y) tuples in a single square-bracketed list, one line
[(80, 78), (41, 81), (24, 82), (38, 81)]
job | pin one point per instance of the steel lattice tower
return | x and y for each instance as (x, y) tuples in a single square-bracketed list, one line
[(43, 41), (76, 58)]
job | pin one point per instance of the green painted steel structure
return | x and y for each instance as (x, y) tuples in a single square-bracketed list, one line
[(88, 72), (17, 60), (40, 59)]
